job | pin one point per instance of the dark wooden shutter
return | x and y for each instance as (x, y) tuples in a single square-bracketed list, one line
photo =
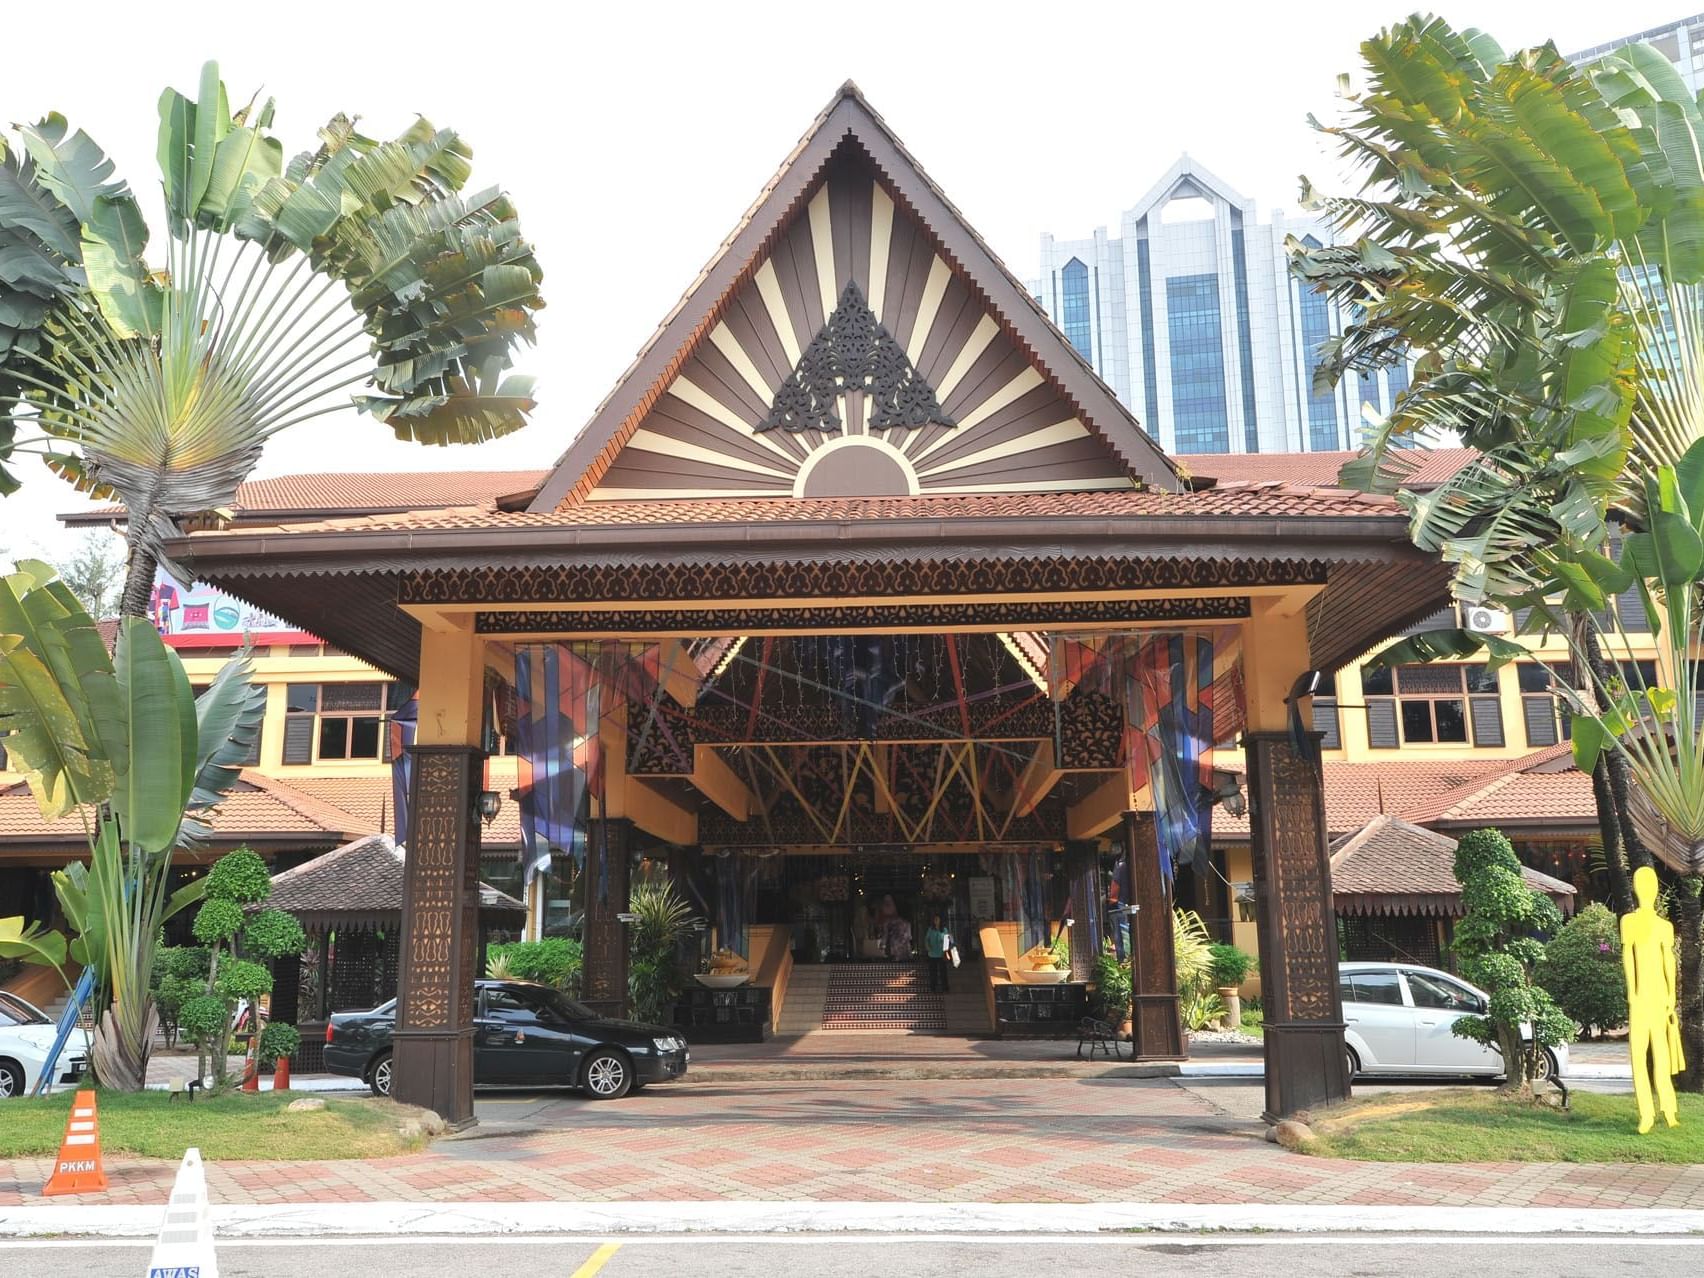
[(1487, 715), (299, 738), (1381, 723), (1325, 721), (1540, 714)]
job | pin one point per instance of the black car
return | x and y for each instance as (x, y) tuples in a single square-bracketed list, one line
[(524, 1034)]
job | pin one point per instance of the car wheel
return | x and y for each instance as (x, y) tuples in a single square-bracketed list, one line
[(1545, 1070), (608, 1076), (1353, 1062), (379, 1077), (11, 1079)]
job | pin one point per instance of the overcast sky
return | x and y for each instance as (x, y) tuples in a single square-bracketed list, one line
[(632, 136)]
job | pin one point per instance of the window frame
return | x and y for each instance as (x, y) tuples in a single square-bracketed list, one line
[(1466, 695), (320, 718)]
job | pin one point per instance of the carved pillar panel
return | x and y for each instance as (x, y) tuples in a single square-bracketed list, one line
[(607, 863), (440, 933), (1156, 1030), (1305, 1062)]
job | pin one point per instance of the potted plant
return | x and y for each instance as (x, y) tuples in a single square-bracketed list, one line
[(1231, 966), (1110, 1001)]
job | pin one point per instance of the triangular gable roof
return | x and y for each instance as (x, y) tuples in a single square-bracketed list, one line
[(1392, 866), (1187, 176), (692, 429)]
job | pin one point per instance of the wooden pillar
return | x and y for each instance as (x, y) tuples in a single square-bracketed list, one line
[(1156, 1031), (607, 862), (1306, 1065), (433, 1059)]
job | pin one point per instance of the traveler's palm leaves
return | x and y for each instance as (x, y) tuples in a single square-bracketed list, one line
[(285, 283)]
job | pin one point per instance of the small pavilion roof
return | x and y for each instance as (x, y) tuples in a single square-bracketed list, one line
[(362, 881), (1391, 866)]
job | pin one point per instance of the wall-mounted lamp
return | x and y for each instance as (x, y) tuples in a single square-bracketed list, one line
[(490, 803), (1227, 792)]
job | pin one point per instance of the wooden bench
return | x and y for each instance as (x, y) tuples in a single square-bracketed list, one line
[(1099, 1037)]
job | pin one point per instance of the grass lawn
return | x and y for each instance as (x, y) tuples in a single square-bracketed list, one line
[(235, 1125), (1461, 1126), (1253, 1021)]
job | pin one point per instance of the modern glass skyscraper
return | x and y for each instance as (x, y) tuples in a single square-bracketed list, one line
[(1190, 314), (1681, 42)]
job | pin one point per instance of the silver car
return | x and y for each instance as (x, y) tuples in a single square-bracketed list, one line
[(1398, 1019)]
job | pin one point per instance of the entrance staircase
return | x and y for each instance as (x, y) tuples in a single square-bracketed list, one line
[(891, 998)]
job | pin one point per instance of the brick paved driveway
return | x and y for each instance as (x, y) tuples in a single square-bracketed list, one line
[(1012, 1140)]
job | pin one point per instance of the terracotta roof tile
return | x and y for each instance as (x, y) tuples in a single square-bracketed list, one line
[(1253, 501), (258, 808), (1315, 469), (356, 491), (368, 800), (1355, 793), (1393, 866), (1542, 786)]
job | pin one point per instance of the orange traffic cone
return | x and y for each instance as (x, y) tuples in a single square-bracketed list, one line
[(281, 1074), (78, 1170), (251, 1076)]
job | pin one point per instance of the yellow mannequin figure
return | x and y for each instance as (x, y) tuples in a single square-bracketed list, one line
[(1653, 1035)]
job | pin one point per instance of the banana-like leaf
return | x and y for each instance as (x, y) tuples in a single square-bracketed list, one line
[(43, 738), (1448, 645), (229, 714), (160, 709), (30, 943)]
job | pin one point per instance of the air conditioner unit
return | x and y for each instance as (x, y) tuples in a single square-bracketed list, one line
[(1487, 621)]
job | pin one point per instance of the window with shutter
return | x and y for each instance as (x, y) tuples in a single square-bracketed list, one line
[(1325, 722), (1381, 724), (299, 739), (1487, 721)]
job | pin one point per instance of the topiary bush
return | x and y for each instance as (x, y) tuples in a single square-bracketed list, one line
[(1581, 969), (1499, 946), (277, 1042), (274, 934), (239, 876), (1231, 965)]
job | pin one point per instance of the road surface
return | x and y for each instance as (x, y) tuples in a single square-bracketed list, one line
[(701, 1256)]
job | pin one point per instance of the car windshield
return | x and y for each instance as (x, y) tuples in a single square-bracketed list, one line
[(14, 1011)]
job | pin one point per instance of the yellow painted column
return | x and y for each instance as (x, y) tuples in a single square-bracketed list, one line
[(452, 683)]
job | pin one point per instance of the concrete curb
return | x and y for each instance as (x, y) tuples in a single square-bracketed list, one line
[(320, 1220), (815, 1073)]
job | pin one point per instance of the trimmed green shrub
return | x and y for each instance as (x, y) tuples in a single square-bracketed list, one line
[(202, 1017), (1231, 965), (242, 978), (274, 934), (217, 920), (1582, 970), (239, 876), (556, 960), (278, 1041)]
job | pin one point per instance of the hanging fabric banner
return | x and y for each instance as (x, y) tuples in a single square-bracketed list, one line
[(1169, 731), (401, 728), (563, 692)]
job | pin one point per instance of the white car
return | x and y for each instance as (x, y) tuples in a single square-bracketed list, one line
[(26, 1037), (1397, 1019)]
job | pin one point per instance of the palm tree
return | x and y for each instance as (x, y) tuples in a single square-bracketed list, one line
[(1535, 231), (286, 283)]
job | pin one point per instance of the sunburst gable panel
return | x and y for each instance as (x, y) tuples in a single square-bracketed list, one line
[(1000, 421)]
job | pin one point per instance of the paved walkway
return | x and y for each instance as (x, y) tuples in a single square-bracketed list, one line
[(1060, 1139)]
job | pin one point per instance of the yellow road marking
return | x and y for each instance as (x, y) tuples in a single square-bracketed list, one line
[(596, 1261)]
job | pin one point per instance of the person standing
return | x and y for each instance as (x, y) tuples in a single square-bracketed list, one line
[(1653, 1033), (937, 942)]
